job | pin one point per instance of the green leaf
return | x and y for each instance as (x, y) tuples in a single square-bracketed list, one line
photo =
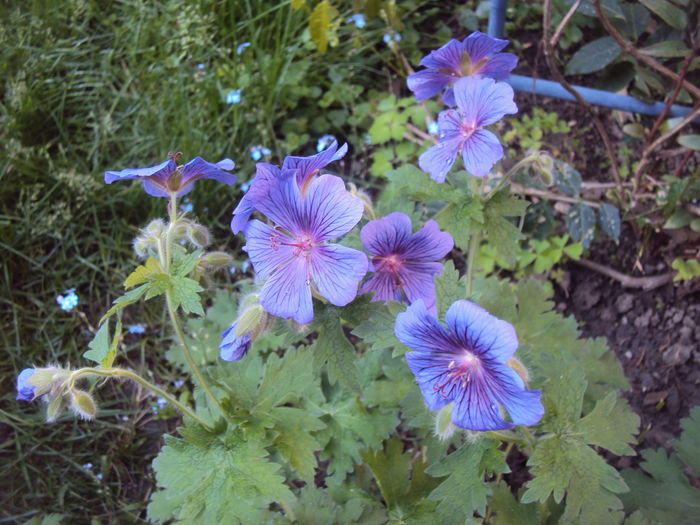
[(668, 12), (448, 288), (635, 20), (667, 49), (319, 25), (128, 298), (185, 295), (508, 511), (502, 234), (611, 8), (611, 425), (567, 178), (458, 220), (333, 348), (679, 219), (580, 220), (464, 491), (377, 330), (294, 441), (688, 445), (594, 56), (101, 351), (184, 263), (690, 141), (229, 481), (419, 186), (609, 220), (143, 273), (390, 468)]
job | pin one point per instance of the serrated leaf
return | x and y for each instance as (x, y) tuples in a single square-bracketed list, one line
[(319, 25), (377, 330), (100, 348), (185, 295), (419, 186), (333, 348), (611, 425), (668, 12), (609, 220), (184, 263), (230, 481), (128, 298), (460, 220), (580, 220), (594, 56), (688, 445), (390, 468), (143, 273), (690, 141), (294, 440), (448, 288), (508, 511), (686, 270), (502, 234)]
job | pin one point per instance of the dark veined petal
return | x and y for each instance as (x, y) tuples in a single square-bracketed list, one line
[(386, 236), (499, 66), (164, 169), (280, 199), (198, 168), (264, 174), (524, 406), (427, 83), (419, 330), (427, 244), (384, 286), (287, 291), (449, 124), (156, 188), (446, 57), (417, 282), (233, 348), (483, 101), (428, 369), (480, 332), (481, 151), (329, 210), (308, 166), (448, 97), (266, 248), (25, 390), (336, 271), (479, 45), (438, 159)]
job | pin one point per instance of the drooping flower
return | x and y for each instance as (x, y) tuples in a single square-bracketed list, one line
[(233, 96), (25, 390), (294, 254), (476, 55), (358, 20), (167, 177), (233, 348), (67, 300), (242, 47), (258, 152), (480, 102), (465, 363), (403, 262)]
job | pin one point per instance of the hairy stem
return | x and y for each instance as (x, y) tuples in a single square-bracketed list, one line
[(474, 242)]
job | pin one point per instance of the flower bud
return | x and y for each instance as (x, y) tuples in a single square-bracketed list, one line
[(155, 228), (544, 164), (444, 427), (180, 229), (199, 235), (366, 201), (55, 407), (82, 404), (249, 320), (519, 368), (141, 246), (217, 259)]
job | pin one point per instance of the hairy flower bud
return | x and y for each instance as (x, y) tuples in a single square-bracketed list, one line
[(444, 428), (217, 259), (82, 404), (249, 320), (366, 201), (519, 368), (199, 235), (54, 408), (544, 164), (155, 228)]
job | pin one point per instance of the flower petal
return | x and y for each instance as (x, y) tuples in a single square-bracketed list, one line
[(198, 168), (287, 292), (280, 199), (446, 57), (309, 166), (524, 406), (480, 332), (476, 403), (427, 244), (427, 83), (162, 170), (329, 210), (499, 66), (481, 151), (264, 174), (428, 369), (417, 282), (438, 160), (384, 285), (233, 348), (154, 189), (336, 271), (266, 255), (479, 45), (483, 101), (25, 390), (419, 330), (388, 235)]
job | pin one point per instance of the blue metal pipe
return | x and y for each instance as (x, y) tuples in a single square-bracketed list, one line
[(598, 97)]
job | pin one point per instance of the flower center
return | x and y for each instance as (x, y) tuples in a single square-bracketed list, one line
[(467, 68), (458, 374), (303, 244)]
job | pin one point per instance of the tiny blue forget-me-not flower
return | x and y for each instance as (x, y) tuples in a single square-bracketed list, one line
[(358, 20), (67, 300), (242, 47), (233, 96)]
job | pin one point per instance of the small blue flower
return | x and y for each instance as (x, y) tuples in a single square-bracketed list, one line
[(200, 66), (187, 206), (178, 383), (245, 265), (324, 142), (88, 466), (433, 128), (388, 37), (67, 300), (99, 476), (25, 390), (245, 186), (242, 47), (368, 139), (136, 328), (258, 152), (233, 96), (358, 20), (232, 270)]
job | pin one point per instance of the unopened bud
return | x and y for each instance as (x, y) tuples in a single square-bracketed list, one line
[(199, 235), (141, 245), (444, 427), (55, 407), (519, 368), (180, 229), (249, 300), (45, 379), (83, 404), (155, 228), (545, 166), (366, 200), (218, 259), (249, 320)]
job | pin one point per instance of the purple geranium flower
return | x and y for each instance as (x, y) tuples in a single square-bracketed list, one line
[(476, 55), (403, 262), (480, 102), (167, 177), (234, 348), (25, 390), (294, 253), (466, 364), (265, 174)]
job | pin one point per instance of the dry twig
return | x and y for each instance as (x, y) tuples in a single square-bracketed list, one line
[(627, 281)]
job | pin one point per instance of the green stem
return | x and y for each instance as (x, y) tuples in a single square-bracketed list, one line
[(474, 242), (524, 162), (171, 225), (121, 372), (504, 437)]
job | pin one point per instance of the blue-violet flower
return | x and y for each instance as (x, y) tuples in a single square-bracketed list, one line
[(242, 47), (480, 102), (358, 20), (234, 348), (25, 390), (233, 96), (67, 300), (294, 253), (476, 55), (465, 363), (403, 262)]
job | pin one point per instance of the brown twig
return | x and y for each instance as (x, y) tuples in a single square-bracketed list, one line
[(559, 77), (627, 281), (628, 48), (564, 21), (544, 194), (684, 161)]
